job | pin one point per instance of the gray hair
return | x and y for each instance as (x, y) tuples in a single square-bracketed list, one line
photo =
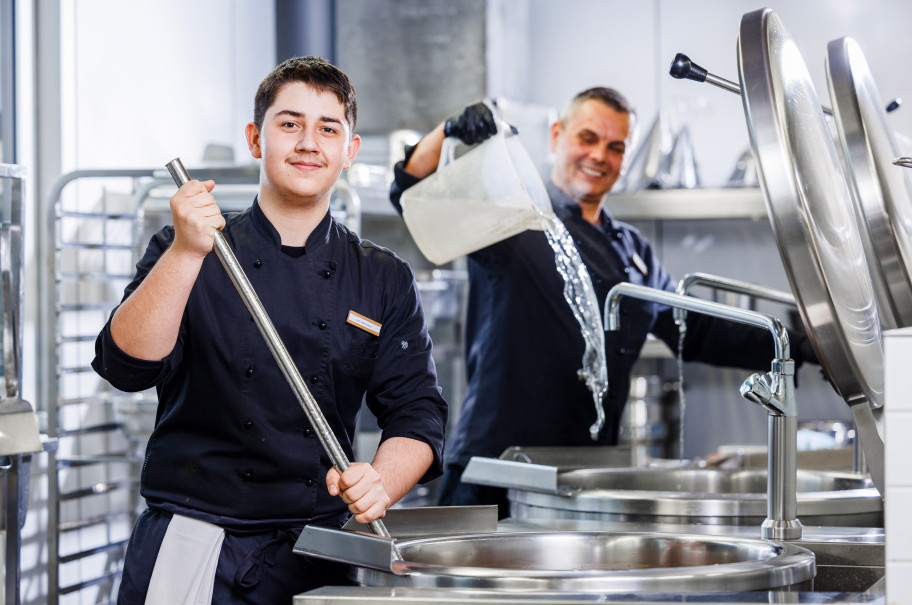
[(608, 96)]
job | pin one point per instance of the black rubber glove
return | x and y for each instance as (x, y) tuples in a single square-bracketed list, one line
[(475, 124)]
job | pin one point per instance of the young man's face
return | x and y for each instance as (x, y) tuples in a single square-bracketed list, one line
[(304, 144), (589, 150)]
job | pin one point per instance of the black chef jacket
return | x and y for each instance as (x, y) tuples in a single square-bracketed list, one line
[(230, 437), (524, 347)]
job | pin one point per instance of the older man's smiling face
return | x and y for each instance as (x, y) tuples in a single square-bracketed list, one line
[(589, 150)]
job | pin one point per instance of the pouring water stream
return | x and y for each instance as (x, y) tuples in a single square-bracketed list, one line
[(580, 295)]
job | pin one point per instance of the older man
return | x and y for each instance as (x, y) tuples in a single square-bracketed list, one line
[(523, 343)]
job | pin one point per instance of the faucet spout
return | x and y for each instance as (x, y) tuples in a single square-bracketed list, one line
[(774, 391), (697, 305), (690, 280)]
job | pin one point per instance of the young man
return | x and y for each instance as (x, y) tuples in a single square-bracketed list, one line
[(523, 344), (233, 464)]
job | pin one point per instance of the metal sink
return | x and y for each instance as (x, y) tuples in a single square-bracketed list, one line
[(578, 561), (688, 495), (597, 561)]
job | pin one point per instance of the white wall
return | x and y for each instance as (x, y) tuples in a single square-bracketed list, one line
[(139, 84), (630, 45), (147, 82)]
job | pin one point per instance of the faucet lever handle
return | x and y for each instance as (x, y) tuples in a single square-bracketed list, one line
[(757, 389)]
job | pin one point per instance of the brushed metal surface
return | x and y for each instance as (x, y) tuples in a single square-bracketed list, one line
[(810, 207), (596, 562), (813, 217), (879, 189), (710, 496), (428, 521)]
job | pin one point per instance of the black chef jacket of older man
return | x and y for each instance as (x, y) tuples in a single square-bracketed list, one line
[(524, 347), (231, 444)]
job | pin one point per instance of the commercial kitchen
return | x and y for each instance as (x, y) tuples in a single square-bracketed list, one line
[(769, 164)]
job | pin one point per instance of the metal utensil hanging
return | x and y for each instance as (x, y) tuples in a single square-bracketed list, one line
[(19, 433)]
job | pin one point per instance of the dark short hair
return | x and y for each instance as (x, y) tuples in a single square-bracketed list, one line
[(315, 71), (608, 96)]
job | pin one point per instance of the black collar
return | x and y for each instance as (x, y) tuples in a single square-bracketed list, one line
[(318, 238)]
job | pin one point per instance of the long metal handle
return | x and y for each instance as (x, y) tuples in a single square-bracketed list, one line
[(276, 346), (872, 444), (683, 68)]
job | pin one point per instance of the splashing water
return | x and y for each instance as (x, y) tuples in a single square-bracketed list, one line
[(682, 402), (580, 295)]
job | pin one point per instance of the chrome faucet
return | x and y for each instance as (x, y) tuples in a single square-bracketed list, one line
[(859, 464), (774, 391)]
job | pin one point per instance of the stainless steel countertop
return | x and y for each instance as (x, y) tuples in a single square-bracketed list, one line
[(339, 595)]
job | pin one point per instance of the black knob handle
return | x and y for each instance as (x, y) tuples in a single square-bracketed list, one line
[(894, 104), (682, 67)]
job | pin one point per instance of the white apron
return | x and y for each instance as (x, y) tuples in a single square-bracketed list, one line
[(184, 571)]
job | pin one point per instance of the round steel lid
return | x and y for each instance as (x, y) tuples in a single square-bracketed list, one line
[(811, 209), (879, 188)]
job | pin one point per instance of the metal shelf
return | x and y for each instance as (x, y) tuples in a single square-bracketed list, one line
[(92, 276), (112, 457), (98, 489), (688, 204), (90, 242), (104, 579), (113, 546), (95, 520)]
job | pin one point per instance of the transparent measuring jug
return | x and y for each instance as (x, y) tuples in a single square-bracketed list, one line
[(485, 195)]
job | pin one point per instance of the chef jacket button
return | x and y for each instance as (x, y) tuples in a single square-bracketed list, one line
[(322, 325), (308, 432), (248, 424), (618, 235), (309, 482), (257, 263), (248, 475), (248, 372), (314, 380), (626, 269), (327, 274), (622, 351)]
